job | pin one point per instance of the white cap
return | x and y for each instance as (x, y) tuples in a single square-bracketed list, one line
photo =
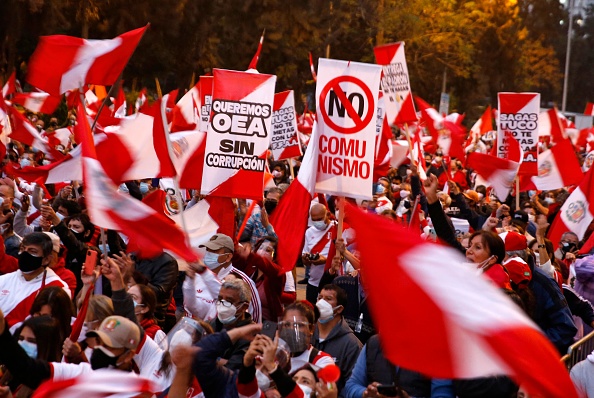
[(55, 241)]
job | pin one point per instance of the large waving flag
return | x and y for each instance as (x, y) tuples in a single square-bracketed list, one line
[(483, 125), (24, 132), (37, 102), (149, 230), (498, 172), (61, 63), (577, 212), (290, 216), (558, 167), (476, 331)]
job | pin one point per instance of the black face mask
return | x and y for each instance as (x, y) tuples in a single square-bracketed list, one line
[(28, 262), (100, 360), (79, 235), (270, 205)]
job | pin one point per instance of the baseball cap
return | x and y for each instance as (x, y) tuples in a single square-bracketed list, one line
[(514, 241), (472, 195), (521, 215), (55, 241), (117, 332), (219, 241), (519, 272)]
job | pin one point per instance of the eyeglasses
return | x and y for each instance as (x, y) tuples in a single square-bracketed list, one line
[(225, 303)]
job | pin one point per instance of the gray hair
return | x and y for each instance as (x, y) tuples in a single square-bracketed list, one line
[(240, 286), (523, 254)]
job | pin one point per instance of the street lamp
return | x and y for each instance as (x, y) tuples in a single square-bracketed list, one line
[(570, 8)]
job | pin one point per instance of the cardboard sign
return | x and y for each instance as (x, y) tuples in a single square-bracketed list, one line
[(285, 141)]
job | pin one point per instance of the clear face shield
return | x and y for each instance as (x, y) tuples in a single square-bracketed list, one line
[(296, 333), (185, 333)]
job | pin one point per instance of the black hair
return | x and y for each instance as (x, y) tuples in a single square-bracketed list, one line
[(304, 308), (60, 303), (493, 242), (341, 296), (39, 239), (86, 223), (71, 206), (48, 336)]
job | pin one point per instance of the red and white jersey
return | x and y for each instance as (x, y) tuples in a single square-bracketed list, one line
[(321, 360), (312, 238), (17, 294), (148, 358), (66, 371)]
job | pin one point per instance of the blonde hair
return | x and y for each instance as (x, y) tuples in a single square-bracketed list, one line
[(101, 307)]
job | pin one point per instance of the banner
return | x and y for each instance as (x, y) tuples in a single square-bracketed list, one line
[(238, 135), (205, 87), (347, 101), (285, 142), (400, 107), (518, 114)]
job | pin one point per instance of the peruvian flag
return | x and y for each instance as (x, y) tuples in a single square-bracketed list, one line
[(150, 231), (312, 69), (61, 63), (254, 63), (185, 112), (589, 109), (24, 132), (134, 149), (550, 124), (103, 383), (576, 213), (140, 100), (37, 102), (285, 141), (498, 172), (483, 125), (292, 212), (188, 157), (558, 167), (120, 107), (10, 87), (399, 153), (476, 330), (395, 83)]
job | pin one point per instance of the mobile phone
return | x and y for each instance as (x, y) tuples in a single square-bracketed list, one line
[(90, 262), (389, 390)]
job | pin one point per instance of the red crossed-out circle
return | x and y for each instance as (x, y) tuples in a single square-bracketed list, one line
[(360, 124)]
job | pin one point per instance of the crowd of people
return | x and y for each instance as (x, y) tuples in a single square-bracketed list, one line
[(232, 324)]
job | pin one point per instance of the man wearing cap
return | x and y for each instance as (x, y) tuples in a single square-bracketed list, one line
[(118, 339), (18, 289), (551, 312), (201, 287), (463, 206)]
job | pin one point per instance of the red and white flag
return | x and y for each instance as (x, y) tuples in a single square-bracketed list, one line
[(498, 172), (285, 141), (447, 132), (292, 212), (472, 342), (558, 167), (61, 63), (188, 157), (37, 102), (101, 383), (140, 100), (399, 153), (518, 115), (550, 124), (589, 109), (483, 125), (576, 214), (312, 69), (239, 134), (395, 83), (10, 87), (120, 107), (150, 231), (347, 99), (185, 112), (254, 62), (24, 132)]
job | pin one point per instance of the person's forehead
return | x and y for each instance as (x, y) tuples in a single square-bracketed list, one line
[(272, 195), (5, 190), (229, 293), (32, 247), (328, 293)]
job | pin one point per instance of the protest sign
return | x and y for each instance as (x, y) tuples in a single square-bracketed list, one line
[(285, 142), (205, 87)]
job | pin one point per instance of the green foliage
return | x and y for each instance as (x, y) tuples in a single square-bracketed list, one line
[(485, 46)]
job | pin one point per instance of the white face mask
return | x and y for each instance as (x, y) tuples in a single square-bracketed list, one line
[(326, 311), (211, 260), (537, 258), (549, 200), (480, 196), (531, 217), (277, 173), (226, 315), (395, 187), (320, 225), (263, 380), (404, 193), (306, 390)]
